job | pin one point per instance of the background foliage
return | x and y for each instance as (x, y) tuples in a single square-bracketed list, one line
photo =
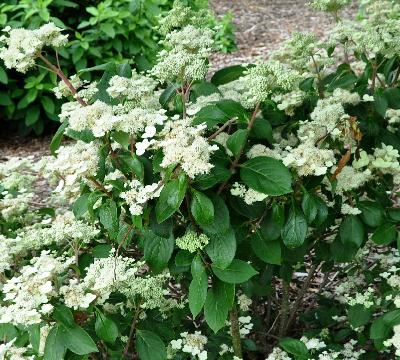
[(111, 30)]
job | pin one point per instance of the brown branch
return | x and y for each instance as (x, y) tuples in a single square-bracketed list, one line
[(222, 128), (235, 333), (64, 78), (132, 333), (300, 295)]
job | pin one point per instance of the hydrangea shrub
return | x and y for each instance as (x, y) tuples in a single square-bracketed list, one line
[(195, 213)]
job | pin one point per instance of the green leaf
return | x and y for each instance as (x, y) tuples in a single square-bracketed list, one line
[(171, 197), (105, 328), (261, 129), (64, 316), (268, 251), (236, 273), (236, 141), (309, 206), (108, 215), (351, 231), (294, 231), (371, 213), (266, 175), (198, 286), (3, 76), (359, 315), (80, 206), (220, 112), (108, 29), (384, 234), (221, 222), (218, 303), (381, 327), (157, 250), (217, 174), (54, 348), (48, 104), (294, 347), (222, 248), (77, 340), (56, 140), (202, 208), (32, 115), (228, 74), (149, 346), (168, 94), (381, 103), (122, 138)]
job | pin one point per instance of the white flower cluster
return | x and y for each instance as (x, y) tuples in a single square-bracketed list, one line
[(62, 230), (250, 196), (14, 207), (182, 144), (288, 102), (138, 194), (192, 241), (393, 116), (264, 78), (17, 174), (278, 354), (394, 340), (122, 275), (24, 46), (62, 90), (179, 16), (185, 56), (192, 344), (101, 118), (27, 296), (135, 88), (365, 298), (74, 163)]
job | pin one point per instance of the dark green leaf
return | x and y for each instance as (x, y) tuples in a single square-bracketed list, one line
[(359, 315), (227, 74), (171, 198), (237, 272), (222, 248), (384, 234), (158, 250), (351, 230), (54, 348), (294, 347), (108, 215), (149, 346), (105, 328), (218, 303), (77, 340), (266, 175), (56, 140), (294, 231), (371, 213), (236, 141), (198, 286), (202, 208), (268, 251)]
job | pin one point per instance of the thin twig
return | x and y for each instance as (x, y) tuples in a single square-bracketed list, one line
[(222, 128), (64, 78), (300, 295), (132, 332)]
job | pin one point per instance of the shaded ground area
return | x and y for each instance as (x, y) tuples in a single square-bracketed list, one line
[(262, 25)]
